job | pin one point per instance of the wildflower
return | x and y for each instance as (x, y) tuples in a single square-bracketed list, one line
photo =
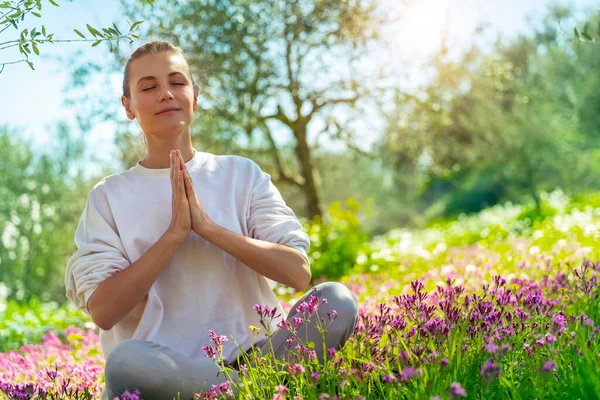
[(389, 379), (295, 369), (131, 396), (548, 366), (331, 352), (550, 338), (315, 376), (323, 396), (444, 362), (491, 348), (490, 371), (456, 390), (407, 373)]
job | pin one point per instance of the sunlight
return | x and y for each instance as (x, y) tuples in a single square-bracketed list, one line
[(426, 23)]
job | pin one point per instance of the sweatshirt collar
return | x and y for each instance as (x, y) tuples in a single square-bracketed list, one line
[(195, 161)]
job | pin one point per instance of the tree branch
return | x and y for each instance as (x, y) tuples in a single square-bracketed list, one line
[(278, 116), (278, 164)]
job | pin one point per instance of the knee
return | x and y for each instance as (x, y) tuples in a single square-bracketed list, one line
[(121, 362), (339, 298)]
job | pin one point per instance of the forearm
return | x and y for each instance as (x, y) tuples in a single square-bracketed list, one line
[(118, 295), (275, 261)]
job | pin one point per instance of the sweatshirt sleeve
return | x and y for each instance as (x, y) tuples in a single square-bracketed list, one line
[(100, 252), (270, 219)]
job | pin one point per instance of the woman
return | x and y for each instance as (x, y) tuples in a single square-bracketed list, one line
[(156, 282)]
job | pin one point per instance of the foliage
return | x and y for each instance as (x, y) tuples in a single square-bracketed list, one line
[(515, 314), (497, 125), (335, 244), (26, 322), (41, 198), (13, 13)]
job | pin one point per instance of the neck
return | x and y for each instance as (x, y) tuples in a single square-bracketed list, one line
[(157, 155)]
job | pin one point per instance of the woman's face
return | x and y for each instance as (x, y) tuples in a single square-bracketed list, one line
[(162, 96)]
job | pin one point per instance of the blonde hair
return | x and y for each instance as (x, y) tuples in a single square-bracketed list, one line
[(154, 47)]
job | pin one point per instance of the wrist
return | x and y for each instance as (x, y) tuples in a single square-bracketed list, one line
[(173, 237), (207, 230)]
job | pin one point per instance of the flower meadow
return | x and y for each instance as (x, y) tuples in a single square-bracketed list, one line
[(487, 306)]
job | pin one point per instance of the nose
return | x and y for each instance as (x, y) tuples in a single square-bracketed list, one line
[(166, 94)]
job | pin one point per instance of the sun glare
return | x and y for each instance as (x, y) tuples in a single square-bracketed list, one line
[(425, 23)]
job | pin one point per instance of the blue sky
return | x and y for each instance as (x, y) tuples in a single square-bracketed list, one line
[(32, 101)]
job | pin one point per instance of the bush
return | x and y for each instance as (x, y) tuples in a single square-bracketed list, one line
[(336, 243)]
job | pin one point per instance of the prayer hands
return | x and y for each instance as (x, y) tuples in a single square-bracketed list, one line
[(200, 221), (181, 222)]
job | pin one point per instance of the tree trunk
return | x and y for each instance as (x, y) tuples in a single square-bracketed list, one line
[(310, 189)]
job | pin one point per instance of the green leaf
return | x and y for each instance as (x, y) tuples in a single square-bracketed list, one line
[(5, 5), (53, 3), (43, 30), (135, 36), (116, 28), (30, 65), (586, 36), (37, 14), (135, 25), (576, 31), (97, 42), (598, 32), (16, 14), (79, 33), (92, 30), (35, 49)]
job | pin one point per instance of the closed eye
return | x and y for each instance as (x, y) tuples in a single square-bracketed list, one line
[(152, 87)]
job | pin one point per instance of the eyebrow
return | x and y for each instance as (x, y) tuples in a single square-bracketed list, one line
[(145, 78)]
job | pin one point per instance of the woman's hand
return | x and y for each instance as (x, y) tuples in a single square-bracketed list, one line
[(181, 221), (200, 220)]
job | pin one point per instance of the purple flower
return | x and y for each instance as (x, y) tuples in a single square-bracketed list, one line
[(490, 371), (456, 390), (491, 348), (548, 366), (550, 338), (389, 379), (407, 373), (295, 369)]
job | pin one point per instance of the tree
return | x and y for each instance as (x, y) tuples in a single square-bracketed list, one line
[(266, 68), (14, 12), (41, 198), (498, 126)]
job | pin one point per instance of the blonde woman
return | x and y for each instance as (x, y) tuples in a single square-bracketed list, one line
[(185, 242)]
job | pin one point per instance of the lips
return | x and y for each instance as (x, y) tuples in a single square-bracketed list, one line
[(168, 109)]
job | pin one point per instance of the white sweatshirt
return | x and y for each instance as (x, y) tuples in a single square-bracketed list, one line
[(201, 287)]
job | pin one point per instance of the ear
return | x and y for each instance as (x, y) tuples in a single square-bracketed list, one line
[(196, 91), (127, 105)]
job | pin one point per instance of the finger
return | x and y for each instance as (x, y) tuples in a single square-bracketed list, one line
[(171, 166), (181, 161), (182, 189), (189, 187)]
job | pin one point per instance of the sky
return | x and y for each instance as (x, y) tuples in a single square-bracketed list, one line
[(32, 101)]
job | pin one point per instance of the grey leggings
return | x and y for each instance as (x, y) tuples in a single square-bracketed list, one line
[(159, 372)]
